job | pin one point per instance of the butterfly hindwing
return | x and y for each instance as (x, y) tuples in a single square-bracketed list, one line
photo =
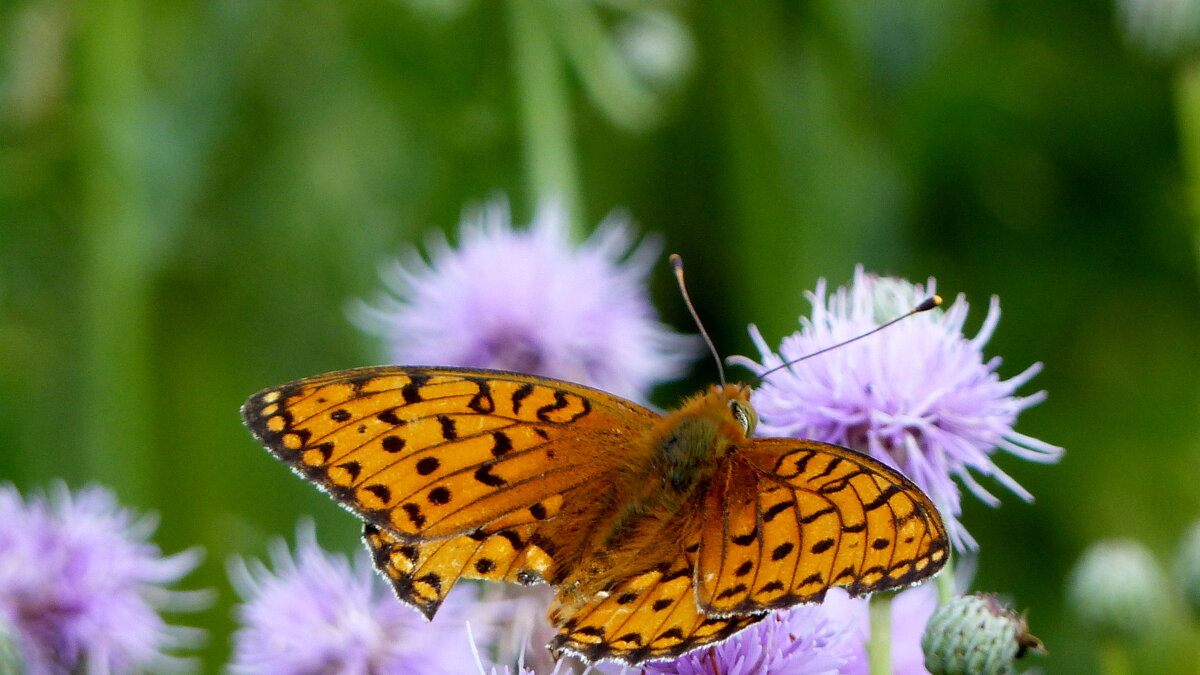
[(652, 615), (423, 573), (794, 518), (427, 453)]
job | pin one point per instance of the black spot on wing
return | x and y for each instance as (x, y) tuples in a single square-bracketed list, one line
[(482, 402), (484, 475), (777, 509), (781, 551), (439, 495), (501, 444), (352, 468), (389, 417), (449, 428), (561, 402), (812, 517), (745, 539), (520, 395), (412, 390), (414, 514), (381, 492), (884, 496), (822, 545), (428, 465)]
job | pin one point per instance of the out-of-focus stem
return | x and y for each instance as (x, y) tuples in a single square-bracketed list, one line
[(879, 647), (1114, 658), (115, 443), (945, 582), (544, 107), (1187, 105)]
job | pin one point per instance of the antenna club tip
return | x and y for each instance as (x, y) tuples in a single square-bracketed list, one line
[(676, 261), (929, 303)]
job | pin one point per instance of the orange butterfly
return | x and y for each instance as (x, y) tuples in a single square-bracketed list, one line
[(660, 534)]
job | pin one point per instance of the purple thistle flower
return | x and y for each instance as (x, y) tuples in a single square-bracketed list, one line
[(81, 584), (920, 397), (806, 640), (533, 302), (321, 613)]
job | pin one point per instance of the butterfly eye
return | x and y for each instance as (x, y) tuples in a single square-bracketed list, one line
[(745, 416)]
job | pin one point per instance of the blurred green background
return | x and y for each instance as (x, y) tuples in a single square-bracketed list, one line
[(191, 193)]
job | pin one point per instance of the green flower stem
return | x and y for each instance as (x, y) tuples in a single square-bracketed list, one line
[(605, 75), (1114, 657), (879, 647), (1187, 104), (115, 243), (545, 108), (945, 582)]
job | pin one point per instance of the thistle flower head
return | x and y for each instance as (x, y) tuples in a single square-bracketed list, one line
[(532, 301), (976, 635), (318, 612), (920, 396), (81, 585), (805, 640), (1117, 588)]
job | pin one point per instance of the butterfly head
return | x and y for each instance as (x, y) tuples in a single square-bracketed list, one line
[(730, 403)]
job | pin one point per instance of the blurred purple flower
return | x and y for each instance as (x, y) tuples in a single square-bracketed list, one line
[(532, 301), (920, 397), (806, 640), (81, 584), (318, 612)]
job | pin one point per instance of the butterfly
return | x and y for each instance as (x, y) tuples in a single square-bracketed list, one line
[(659, 534)]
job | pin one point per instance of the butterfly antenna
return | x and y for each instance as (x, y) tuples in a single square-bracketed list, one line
[(926, 305), (677, 269)]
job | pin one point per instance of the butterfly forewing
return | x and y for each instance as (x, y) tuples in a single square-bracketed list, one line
[(800, 517), (427, 453)]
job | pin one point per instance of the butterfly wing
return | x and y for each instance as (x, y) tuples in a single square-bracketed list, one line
[(431, 453), (788, 519), (652, 615), (423, 573)]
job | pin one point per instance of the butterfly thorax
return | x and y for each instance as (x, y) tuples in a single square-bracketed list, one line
[(672, 472), (690, 442)]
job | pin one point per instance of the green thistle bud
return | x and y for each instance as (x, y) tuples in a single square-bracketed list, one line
[(657, 46), (1118, 589), (1188, 568), (975, 635), (1164, 28)]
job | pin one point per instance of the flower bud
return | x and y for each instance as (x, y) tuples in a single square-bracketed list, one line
[(1118, 589), (975, 635), (1165, 28), (657, 46)]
